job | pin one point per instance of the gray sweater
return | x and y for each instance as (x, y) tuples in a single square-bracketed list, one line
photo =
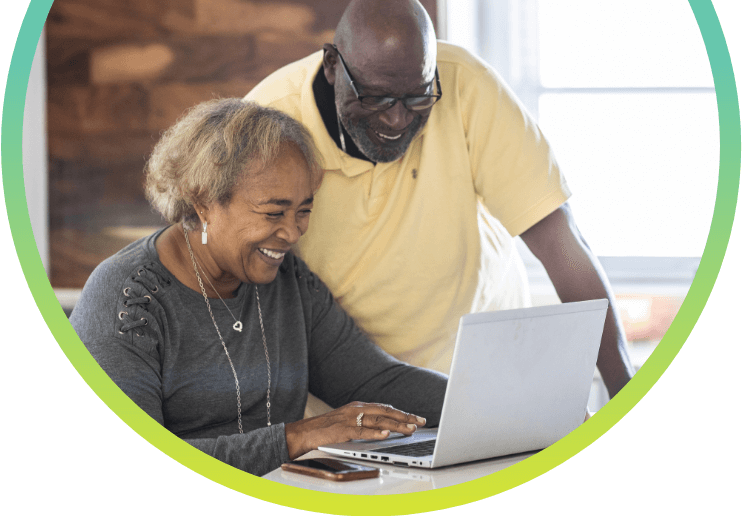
[(153, 336)]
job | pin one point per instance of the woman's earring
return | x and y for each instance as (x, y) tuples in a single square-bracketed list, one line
[(204, 236)]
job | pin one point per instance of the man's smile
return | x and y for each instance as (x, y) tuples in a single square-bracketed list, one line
[(387, 137)]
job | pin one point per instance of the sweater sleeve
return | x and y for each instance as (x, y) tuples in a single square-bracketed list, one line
[(345, 366), (258, 451), (131, 358)]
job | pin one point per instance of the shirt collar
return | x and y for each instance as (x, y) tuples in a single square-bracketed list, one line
[(324, 96)]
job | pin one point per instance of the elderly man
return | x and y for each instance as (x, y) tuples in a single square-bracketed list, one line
[(432, 167)]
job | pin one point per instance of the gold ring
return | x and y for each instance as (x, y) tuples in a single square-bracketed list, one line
[(359, 419)]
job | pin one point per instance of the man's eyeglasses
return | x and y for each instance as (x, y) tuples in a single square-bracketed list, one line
[(411, 102)]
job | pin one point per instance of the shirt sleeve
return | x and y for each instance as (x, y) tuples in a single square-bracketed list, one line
[(513, 167), (132, 360), (345, 366)]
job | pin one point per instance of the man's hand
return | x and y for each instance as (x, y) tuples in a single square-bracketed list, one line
[(578, 276), (341, 425)]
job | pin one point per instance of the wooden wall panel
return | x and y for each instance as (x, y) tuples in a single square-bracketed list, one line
[(106, 20), (122, 71), (112, 109)]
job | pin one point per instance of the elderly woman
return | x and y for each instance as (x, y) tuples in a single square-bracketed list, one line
[(215, 329)]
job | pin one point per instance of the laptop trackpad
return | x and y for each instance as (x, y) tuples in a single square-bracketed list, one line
[(394, 439)]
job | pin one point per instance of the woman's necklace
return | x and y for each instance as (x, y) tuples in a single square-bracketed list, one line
[(262, 330), (237, 326)]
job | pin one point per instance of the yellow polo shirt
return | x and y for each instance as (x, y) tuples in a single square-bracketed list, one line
[(408, 247)]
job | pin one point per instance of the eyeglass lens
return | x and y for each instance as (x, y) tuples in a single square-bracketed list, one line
[(413, 103), (372, 103)]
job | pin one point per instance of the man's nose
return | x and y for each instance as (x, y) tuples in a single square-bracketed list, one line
[(396, 117)]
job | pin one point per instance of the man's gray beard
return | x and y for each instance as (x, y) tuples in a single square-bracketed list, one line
[(388, 153)]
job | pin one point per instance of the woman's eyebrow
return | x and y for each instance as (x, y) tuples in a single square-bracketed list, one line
[(287, 202)]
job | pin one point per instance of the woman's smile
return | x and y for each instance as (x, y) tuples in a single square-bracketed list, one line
[(276, 255)]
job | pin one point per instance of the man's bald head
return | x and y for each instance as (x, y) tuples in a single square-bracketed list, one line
[(374, 31)]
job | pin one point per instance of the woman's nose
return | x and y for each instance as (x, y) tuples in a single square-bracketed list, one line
[(290, 230)]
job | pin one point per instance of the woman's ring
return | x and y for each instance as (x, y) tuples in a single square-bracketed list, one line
[(359, 419)]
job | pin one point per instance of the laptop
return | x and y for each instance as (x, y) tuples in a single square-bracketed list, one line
[(519, 381)]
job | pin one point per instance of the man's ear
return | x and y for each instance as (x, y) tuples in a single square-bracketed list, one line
[(329, 61)]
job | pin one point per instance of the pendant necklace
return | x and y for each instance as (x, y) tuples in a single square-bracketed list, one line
[(237, 326), (262, 331)]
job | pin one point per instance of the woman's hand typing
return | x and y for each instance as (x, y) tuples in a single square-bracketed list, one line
[(341, 425)]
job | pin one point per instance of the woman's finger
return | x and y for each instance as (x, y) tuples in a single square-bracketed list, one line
[(361, 432), (386, 417), (389, 412), (381, 422)]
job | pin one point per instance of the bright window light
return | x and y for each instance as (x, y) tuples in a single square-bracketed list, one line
[(624, 93), (642, 167), (631, 43)]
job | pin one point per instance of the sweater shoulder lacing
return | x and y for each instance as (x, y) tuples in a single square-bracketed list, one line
[(147, 281)]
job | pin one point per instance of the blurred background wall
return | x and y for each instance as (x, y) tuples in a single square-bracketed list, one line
[(122, 71)]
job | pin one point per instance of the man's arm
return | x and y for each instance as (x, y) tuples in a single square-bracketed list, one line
[(577, 276)]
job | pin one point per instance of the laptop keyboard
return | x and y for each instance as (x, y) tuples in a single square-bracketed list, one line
[(410, 450)]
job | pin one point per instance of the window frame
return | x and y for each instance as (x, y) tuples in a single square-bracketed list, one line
[(513, 51)]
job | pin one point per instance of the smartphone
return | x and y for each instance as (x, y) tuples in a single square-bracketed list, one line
[(330, 469)]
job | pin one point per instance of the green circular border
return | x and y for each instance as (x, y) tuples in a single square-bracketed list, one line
[(716, 245)]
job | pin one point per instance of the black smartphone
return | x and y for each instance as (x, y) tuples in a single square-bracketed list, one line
[(330, 469)]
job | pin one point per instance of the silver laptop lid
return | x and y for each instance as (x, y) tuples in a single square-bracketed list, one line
[(520, 380)]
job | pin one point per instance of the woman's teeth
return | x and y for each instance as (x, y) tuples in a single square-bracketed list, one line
[(271, 254)]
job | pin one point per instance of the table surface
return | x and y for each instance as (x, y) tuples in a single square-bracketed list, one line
[(396, 479)]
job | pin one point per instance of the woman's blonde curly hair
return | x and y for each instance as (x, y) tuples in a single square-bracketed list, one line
[(212, 147)]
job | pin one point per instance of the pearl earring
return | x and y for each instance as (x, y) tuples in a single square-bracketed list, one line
[(204, 236)]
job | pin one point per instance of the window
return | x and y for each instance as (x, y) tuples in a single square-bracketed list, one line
[(624, 93)]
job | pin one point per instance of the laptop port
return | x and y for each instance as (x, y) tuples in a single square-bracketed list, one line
[(385, 459), (364, 455), (374, 456)]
